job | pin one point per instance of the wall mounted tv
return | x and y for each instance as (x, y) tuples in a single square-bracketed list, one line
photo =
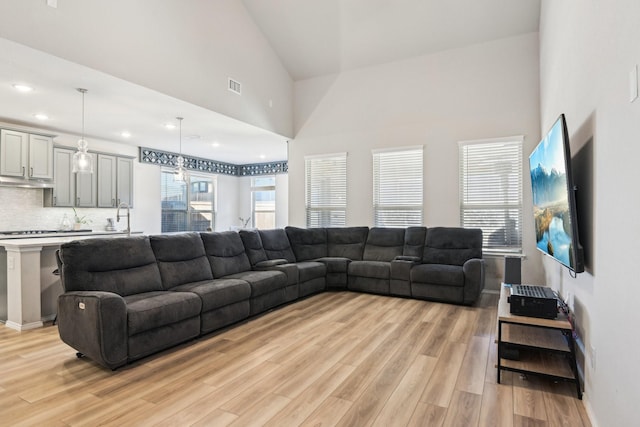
[(554, 198)]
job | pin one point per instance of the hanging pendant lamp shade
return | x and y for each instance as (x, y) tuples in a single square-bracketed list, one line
[(82, 162), (180, 173)]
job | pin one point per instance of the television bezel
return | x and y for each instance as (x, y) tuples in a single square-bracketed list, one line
[(576, 248)]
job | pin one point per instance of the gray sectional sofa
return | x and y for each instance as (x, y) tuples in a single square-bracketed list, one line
[(126, 298)]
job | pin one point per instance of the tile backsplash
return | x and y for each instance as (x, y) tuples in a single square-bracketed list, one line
[(21, 209)]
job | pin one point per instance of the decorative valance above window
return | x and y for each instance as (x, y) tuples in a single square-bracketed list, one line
[(163, 158)]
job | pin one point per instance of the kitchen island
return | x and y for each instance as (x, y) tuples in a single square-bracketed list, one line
[(28, 286)]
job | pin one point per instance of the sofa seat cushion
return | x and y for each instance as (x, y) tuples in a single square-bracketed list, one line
[(438, 274), (262, 282), (218, 293), (309, 270), (151, 310), (373, 269)]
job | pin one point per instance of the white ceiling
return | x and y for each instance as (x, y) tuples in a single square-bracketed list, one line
[(315, 38), (311, 37), (113, 105)]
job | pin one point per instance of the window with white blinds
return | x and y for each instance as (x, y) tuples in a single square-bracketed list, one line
[(491, 191), (397, 187), (326, 190)]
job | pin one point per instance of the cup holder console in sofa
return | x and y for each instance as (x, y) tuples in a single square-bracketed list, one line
[(128, 297)]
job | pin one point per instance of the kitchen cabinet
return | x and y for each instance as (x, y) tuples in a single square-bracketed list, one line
[(24, 155), (87, 187), (124, 181), (63, 189), (115, 180)]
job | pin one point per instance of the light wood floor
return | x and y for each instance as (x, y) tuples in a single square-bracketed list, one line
[(346, 359)]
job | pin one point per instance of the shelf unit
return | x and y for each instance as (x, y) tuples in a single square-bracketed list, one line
[(536, 346)]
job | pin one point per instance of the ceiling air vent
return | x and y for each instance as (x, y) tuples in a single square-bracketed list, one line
[(235, 86)]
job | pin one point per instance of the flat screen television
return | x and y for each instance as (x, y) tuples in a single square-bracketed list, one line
[(554, 198)]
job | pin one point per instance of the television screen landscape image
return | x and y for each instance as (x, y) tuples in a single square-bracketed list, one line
[(553, 198)]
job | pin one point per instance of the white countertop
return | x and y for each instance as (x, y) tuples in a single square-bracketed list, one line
[(56, 239)]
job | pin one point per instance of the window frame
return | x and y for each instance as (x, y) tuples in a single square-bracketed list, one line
[(258, 188), (188, 188), (391, 179), (331, 204), (511, 204)]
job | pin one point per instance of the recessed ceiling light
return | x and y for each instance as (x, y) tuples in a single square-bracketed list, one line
[(170, 126), (41, 116), (215, 144), (262, 156), (125, 134), (22, 88)]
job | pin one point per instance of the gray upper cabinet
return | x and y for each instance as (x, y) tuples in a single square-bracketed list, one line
[(69, 189), (115, 181), (106, 181), (40, 157), (63, 189), (124, 190), (87, 188), (24, 155)]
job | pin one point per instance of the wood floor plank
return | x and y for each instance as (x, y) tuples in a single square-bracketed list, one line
[(399, 408), (426, 414), (440, 388), (303, 406), (464, 409), (472, 371), (328, 413), (497, 406), (338, 358), (528, 399)]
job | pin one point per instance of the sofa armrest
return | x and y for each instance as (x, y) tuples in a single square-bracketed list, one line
[(280, 264), (95, 324), (269, 264), (473, 270), (400, 268)]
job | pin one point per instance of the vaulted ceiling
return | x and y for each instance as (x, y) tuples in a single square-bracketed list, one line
[(311, 38)]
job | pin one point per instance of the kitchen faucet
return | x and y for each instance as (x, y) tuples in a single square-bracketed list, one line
[(124, 205)]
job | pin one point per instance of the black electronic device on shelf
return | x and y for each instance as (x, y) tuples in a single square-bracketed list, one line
[(533, 301)]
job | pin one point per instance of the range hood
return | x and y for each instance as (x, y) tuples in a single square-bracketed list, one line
[(7, 181)]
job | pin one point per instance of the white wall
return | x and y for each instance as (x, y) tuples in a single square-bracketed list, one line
[(483, 91), (587, 49), (185, 49)]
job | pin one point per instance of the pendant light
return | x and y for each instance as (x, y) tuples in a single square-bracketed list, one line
[(81, 159), (180, 174)]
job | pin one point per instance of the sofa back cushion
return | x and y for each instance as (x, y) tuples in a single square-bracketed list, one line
[(122, 265), (414, 240), (307, 243), (253, 246), (181, 258), (225, 252), (452, 245), (384, 244), (276, 244), (347, 242)]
